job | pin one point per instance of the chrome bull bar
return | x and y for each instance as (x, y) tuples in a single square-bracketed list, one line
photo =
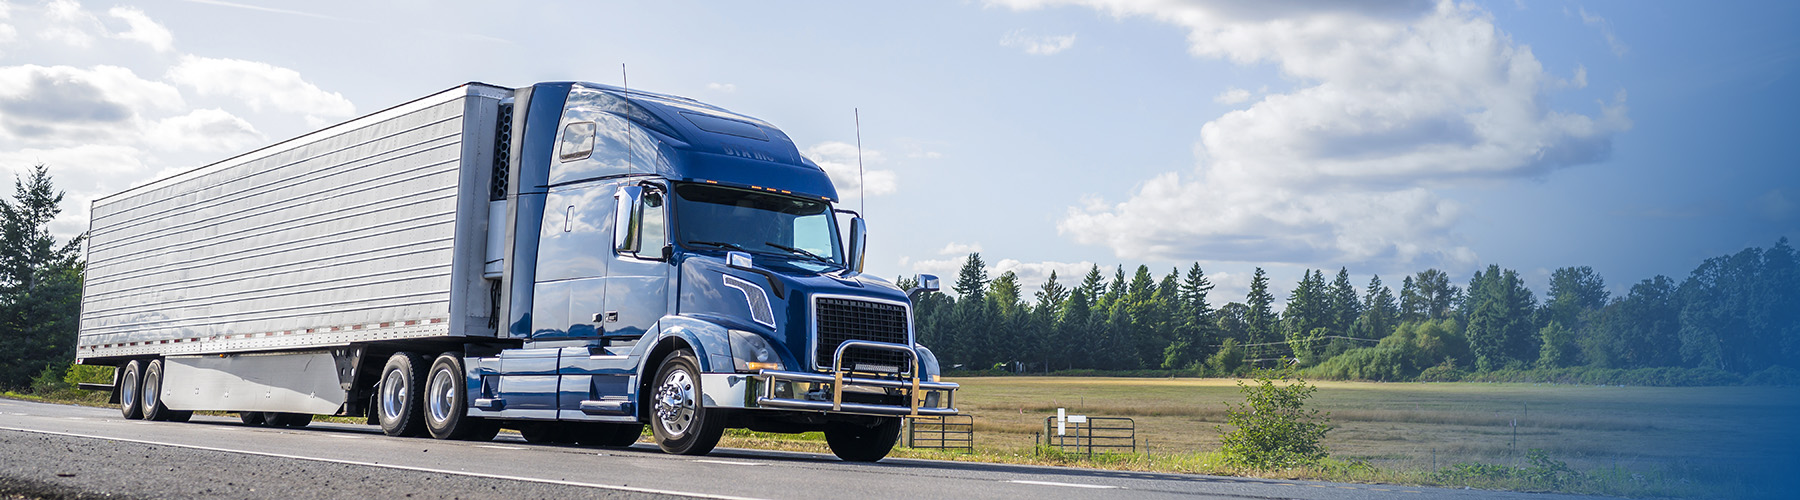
[(839, 379)]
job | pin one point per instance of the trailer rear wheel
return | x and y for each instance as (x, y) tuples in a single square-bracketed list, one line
[(680, 421), (251, 417), (546, 432), (447, 401), (400, 411), (854, 442), (150, 397), (130, 387)]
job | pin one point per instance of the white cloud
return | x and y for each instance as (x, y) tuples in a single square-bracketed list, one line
[(261, 85), (954, 248), (722, 87), (839, 161), (204, 130), (1397, 100), (7, 32), (1032, 275), (103, 128), (143, 29), (1612, 40), (1232, 95), (1037, 45), (68, 23)]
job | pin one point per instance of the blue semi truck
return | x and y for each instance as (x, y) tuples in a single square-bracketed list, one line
[(571, 260)]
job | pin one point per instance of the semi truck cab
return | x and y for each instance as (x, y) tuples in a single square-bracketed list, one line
[(667, 263)]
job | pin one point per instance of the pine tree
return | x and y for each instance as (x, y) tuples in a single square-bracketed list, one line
[(1345, 306), (40, 282), (972, 281), (1379, 312), (1092, 286), (1261, 315), (1412, 306)]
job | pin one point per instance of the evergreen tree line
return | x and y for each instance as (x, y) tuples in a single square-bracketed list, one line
[(1736, 313), (40, 284)]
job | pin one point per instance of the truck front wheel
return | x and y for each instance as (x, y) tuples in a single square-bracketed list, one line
[(854, 442), (397, 398), (679, 419)]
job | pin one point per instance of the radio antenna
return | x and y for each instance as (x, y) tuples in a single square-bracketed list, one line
[(624, 78), (861, 201)]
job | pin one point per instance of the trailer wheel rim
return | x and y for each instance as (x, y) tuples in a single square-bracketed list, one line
[(128, 390), (675, 402), (152, 386), (441, 394), (393, 395)]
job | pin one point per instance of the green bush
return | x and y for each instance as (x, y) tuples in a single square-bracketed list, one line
[(1366, 363), (1443, 372), (1272, 428), (1543, 473), (1774, 375), (1228, 360)]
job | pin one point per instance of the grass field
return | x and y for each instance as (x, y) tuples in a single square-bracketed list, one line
[(1715, 435)]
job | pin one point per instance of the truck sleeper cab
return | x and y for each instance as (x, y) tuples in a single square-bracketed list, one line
[(649, 260)]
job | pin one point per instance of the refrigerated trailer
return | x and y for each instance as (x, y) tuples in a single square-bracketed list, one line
[(571, 260)]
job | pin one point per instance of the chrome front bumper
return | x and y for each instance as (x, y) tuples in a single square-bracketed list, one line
[(926, 399)]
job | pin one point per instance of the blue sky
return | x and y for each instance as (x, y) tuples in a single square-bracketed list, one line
[(1638, 138)]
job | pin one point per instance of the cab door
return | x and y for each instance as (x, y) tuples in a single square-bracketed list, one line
[(637, 278)]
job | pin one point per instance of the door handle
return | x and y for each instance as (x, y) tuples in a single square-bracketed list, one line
[(607, 317)]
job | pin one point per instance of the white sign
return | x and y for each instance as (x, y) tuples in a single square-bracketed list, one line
[(1077, 419), (1061, 417)]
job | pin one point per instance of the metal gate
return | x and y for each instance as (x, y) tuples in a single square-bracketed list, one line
[(955, 432), (1107, 434)]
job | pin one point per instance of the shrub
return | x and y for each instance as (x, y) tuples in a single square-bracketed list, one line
[(1272, 427), (1774, 375), (1366, 363), (1228, 360)]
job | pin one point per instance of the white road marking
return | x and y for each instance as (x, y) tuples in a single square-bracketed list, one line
[(726, 462), (497, 447), (339, 436), (1071, 485), (399, 467)]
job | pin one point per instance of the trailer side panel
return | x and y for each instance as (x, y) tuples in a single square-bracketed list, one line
[(356, 233)]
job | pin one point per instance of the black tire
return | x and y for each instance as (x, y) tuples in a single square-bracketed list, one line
[(131, 388), (860, 443), (678, 418), (608, 434), (179, 415), (446, 400), (150, 396), (397, 396), (251, 417)]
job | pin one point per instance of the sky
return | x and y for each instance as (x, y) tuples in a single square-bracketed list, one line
[(1385, 137)]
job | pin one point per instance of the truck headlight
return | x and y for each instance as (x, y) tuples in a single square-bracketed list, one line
[(751, 352)]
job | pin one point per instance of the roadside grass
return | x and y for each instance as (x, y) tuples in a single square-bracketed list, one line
[(1675, 442)]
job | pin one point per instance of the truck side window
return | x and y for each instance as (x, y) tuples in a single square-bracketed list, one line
[(652, 233), (577, 141)]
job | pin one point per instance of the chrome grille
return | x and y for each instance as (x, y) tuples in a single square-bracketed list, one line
[(840, 320)]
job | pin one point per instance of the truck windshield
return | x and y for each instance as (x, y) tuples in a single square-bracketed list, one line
[(767, 223)]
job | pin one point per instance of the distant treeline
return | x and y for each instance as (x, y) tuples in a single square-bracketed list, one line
[(1735, 318)]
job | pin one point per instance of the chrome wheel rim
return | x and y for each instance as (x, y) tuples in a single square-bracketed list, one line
[(152, 385), (128, 389), (675, 402), (441, 395), (393, 394)]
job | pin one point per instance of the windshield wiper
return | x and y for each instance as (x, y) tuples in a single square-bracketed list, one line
[(719, 244), (801, 252)]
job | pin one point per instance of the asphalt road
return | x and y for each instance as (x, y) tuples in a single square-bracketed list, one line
[(62, 451)]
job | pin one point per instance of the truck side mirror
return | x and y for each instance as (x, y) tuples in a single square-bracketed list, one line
[(926, 284), (627, 217), (859, 243)]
